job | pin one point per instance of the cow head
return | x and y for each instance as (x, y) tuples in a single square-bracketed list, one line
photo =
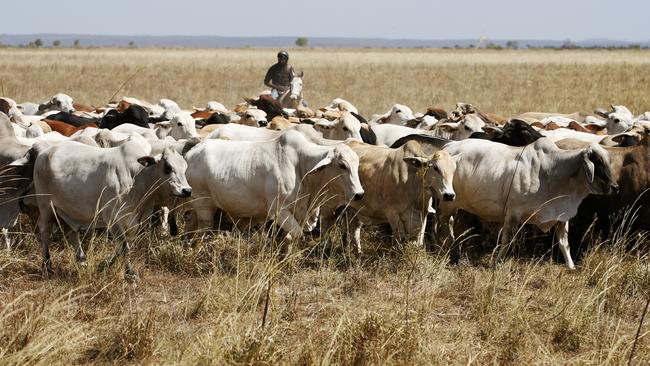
[(181, 126), (400, 114), (597, 170), (59, 102), (253, 117), (438, 173), (516, 133), (463, 129), (170, 170), (341, 167), (343, 128), (279, 123), (617, 120)]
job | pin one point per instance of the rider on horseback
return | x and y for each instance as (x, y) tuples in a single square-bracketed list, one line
[(279, 76)]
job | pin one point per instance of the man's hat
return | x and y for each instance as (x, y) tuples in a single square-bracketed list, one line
[(283, 53)]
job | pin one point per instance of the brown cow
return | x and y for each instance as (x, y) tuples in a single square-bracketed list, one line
[(269, 105), (631, 170), (66, 129), (83, 108)]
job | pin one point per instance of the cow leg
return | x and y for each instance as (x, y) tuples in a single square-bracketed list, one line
[(396, 225), (327, 221), (5, 236), (562, 236), (506, 235), (121, 249), (354, 226), (204, 214), (165, 217), (423, 229), (289, 224), (45, 230), (79, 252), (171, 222)]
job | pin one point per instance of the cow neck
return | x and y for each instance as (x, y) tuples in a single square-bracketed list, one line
[(309, 157), (568, 175), (144, 190)]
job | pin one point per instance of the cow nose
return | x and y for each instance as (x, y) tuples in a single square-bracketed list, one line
[(614, 188), (186, 192), (449, 196), (358, 196)]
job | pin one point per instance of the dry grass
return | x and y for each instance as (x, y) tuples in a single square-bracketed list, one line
[(506, 82), (204, 303)]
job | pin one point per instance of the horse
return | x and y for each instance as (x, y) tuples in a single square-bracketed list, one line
[(292, 98)]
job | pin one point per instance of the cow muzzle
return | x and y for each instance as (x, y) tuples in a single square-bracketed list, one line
[(186, 192), (358, 196), (449, 197), (614, 189)]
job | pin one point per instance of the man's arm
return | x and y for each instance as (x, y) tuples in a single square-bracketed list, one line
[(267, 79)]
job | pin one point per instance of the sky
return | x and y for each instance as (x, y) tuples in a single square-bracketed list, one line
[(452, 19)]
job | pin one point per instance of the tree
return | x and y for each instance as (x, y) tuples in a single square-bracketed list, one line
[(38, 43), (512, 45), (131, 44), (76, 43), (56, 43), (302, 42)]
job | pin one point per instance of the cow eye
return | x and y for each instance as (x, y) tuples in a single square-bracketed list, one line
[(179, 124), (249, 116), (168, 169), (345, 128), (398, 111), (467, 128), (436, 169), (616, 120), (343, 167)]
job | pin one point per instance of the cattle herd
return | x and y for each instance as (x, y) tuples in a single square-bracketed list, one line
[(309, 170)]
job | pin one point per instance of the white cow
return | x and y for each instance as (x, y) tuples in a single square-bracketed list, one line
[(59, 102), (237, 132), (399, 114), (339, 104), (129, 128), (90, 187), (284, 179), (388, 134), (618, 120), (181, 126), (537, 184)]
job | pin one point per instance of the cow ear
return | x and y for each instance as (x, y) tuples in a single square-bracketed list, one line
[(320, 166), (301, 74), (22, 161), (447, 127), (147, 161), (164, 124), (416, 161), (602, 112), (323, 124), (594, 127), (626, 139), (588, 165)]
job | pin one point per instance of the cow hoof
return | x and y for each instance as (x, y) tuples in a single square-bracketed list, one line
[(131, 276), (47, 268), (103, 266)]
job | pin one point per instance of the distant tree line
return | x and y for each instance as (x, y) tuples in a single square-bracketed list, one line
[(304, 42)]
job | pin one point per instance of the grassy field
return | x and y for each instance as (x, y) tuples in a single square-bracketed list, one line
[(227, 300)]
